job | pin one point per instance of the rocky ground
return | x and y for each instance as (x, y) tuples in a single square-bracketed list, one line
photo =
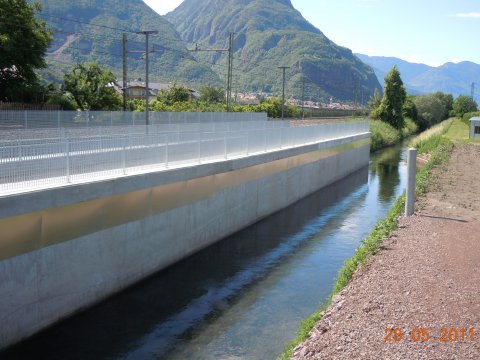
[(419, 298)]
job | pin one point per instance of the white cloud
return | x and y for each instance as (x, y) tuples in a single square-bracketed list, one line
[(472, 15), (419, 59), (163, 6)]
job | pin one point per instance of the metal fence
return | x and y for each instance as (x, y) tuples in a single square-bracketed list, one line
[(42, 134), (10, 120), (42, 163)]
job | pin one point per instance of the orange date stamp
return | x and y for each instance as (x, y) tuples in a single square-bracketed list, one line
[(426, 335)]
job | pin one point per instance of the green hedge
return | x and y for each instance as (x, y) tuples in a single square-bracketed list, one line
[(466, 118)]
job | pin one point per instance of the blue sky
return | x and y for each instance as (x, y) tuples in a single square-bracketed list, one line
[(425, 31)]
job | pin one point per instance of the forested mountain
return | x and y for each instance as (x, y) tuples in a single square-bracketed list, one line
[(450, 78), (269, 34), (91, 30)]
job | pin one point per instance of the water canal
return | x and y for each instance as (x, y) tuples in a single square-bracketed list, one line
[(242, 298)]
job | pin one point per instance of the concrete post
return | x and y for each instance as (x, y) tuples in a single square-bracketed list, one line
[(411, 180)]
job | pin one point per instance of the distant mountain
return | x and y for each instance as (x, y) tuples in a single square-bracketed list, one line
[(269, 34), (455, 79), (91, 30), (382, 66)]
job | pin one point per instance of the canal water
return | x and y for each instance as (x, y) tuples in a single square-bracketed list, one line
[(242, 298)]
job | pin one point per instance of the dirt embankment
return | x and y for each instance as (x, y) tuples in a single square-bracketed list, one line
[(419, 298)]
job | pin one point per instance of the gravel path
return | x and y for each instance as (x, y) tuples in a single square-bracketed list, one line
[(427, 276)]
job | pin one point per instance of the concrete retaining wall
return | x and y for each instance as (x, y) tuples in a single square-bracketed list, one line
[(64, 249)]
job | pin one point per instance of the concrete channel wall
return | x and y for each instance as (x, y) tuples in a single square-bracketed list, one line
[(67, 248)]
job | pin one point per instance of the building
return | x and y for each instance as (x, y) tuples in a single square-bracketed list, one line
[(136, 90), (475, 128)]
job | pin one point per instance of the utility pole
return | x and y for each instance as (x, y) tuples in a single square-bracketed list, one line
[(303, 97), (230, 66), (147, 90), (283, 89), (124, 53), (473, 90), (230, 71)]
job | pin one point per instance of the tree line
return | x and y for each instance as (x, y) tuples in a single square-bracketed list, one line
[(425, 110), (24, 41)]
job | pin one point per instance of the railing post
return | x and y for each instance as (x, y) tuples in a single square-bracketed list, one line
[(265, 132), (19, 151), (200, 147), (411, 181), (67, 150), (166, 151), (124, 156), (225, 144)]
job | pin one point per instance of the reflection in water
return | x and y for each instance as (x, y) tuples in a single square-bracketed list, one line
[(385, 165), (242, 297)]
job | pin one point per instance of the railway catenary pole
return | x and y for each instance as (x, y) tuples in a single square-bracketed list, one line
[(284, 68), (147, 90)]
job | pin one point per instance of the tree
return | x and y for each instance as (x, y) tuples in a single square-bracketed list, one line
[(431, 110), (447, 101), (212, 95), (24, 41), (375, 100), (391, 107), (464, 104), (176, 93), (410, 109), (273, 108), (92, 87)]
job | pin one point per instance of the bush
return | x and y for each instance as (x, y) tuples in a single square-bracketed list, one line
[(466, 117), (410, 109), (464, 104), (410, 128), (383, 135), (431, 110), (212, 95)]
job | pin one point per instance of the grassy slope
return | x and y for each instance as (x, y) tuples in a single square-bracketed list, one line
[(440, 150), (384, 135), (460, 131)]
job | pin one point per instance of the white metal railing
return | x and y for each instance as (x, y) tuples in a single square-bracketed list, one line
[(28, 119), (89, 132), (30, 165)]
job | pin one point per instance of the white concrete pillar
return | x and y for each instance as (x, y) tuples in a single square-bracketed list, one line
[(411, 180)]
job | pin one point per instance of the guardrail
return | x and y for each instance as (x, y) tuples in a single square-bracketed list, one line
[(28, 119), (34, 164), (64, 133)]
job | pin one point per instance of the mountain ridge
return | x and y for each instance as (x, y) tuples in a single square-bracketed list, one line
[(91, 30), (270, 34), (451, 78)]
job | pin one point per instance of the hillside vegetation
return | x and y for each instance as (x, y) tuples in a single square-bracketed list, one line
[(91, 30), (269, 34)]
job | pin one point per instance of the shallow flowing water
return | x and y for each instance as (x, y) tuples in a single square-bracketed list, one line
[(242, 298)]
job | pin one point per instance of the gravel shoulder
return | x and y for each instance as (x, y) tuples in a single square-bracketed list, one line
[(427, 276)]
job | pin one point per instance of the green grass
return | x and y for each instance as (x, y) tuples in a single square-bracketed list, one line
[(440, 128), (371, 244), (384, 135), (459, 131)]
